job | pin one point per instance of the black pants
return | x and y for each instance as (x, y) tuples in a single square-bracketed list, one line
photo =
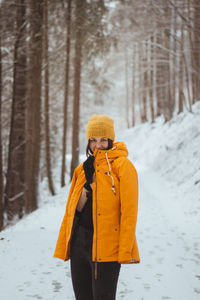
[(86, 287)]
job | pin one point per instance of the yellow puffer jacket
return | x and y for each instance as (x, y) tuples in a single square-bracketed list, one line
[(115, 205)]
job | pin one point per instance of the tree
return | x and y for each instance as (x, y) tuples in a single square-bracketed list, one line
[(127, 87), (168, 107), (133, 94), (33, 119), (46, 100), (1, 164), (174, 56), (14, 191), (66, 94), (91, 40), (144, 82), (79, 26), (196, 49), (181, 79), (150, 79)]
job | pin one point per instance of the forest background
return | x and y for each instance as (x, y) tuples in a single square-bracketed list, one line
[(63, 60)]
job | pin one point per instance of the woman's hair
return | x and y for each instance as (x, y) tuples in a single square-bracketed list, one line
[(89, 151)]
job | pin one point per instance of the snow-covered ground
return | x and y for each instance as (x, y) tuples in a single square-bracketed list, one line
[(167, 157)]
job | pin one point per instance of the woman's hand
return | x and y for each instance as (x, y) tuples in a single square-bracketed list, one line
[(82, 200)]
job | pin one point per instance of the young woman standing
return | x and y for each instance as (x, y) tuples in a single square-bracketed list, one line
[(98, 229)]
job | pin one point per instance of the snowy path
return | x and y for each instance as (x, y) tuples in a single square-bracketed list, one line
[(169, 248), (168, 242)]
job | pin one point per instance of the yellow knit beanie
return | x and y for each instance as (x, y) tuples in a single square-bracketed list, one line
[(100, 126)]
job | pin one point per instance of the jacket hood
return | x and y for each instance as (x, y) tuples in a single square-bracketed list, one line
[(119, 149)]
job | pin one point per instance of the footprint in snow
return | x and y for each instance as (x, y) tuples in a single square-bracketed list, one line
[(46, 273), (124, 293), (149, 266), (160, 260), (58, 264), (123, 283), (57, 286), (196, 246), (195, 261), (197, 290), (169, 244), (197, 255), (27, 283), (35, 296), (187, 248), (68, 274), (180, 266), (146, 286), (183, 258)]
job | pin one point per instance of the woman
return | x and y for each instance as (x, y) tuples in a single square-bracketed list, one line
[(98, 229)]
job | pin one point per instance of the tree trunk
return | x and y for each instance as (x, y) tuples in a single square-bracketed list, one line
[(197, 49), (14, 191), (144, 84), (34, 106), (80, 16), (159, 76), (151, 74), (66, 96), (1, 162), (190, 33), (46, 82), (140, 69), (187, 83), (174, 60), (133, 95), (188, 63), (168, 103), (127, 87), (154, 73), (181, 84)]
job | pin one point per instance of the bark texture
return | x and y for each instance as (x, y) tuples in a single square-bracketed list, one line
[(67, 68), (79, 27), (15, 183), (197, 49), (1, 162), (34, 105), (46, 100)]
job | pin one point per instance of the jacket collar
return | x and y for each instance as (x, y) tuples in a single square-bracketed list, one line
[(119, 150)]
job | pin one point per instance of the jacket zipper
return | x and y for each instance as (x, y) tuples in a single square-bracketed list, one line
[(95, 264)]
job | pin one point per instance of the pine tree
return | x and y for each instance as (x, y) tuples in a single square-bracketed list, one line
[(1, 163), (196, 33), (14, 191), (79, 27), (33, 119), (90, 41), (46, 100), (66, 94)]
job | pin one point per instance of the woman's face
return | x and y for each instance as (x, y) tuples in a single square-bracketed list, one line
[(99, 143)]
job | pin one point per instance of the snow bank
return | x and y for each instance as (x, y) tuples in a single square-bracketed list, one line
[(173, 151)]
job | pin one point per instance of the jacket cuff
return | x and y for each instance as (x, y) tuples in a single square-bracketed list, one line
[(124, 258)]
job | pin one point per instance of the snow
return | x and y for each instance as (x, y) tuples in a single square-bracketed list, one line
[(166, 156)]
